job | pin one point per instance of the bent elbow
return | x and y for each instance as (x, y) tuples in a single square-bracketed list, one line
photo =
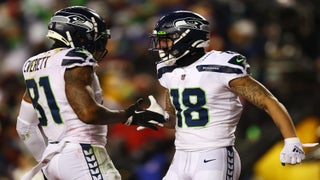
[(87, 116)]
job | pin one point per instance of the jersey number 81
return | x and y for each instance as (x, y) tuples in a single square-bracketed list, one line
[(54, 109)]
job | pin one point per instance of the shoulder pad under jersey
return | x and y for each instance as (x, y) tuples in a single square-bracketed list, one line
[(78, 57)]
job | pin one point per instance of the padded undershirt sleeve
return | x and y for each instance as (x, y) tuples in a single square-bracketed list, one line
[(28, 130)]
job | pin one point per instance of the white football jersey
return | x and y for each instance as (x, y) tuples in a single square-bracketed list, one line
[(207, 110), (44, 77)]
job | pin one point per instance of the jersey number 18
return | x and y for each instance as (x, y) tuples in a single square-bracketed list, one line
[(194, 99)]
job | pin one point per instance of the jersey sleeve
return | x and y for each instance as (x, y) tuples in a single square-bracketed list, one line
[(78, 57), (238, 67), (161, 69)]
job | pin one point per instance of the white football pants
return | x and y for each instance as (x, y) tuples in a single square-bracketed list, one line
[(218, 164), (81, 161)]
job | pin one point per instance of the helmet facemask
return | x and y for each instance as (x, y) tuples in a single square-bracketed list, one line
[(162, 42), (99, 49)]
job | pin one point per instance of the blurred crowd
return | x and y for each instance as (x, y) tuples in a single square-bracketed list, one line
[(280, 38)]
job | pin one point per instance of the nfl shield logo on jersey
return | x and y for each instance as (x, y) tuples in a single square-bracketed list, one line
[(183, 76)]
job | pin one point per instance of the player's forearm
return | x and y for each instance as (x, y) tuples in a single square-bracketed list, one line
[(261, 97), (81, 98), (169, 108), (108, 116), (281, 118), (99, 115)]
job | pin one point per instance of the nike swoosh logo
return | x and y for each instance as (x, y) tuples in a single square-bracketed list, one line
[(138, 112), (239, 59), (208, 160)]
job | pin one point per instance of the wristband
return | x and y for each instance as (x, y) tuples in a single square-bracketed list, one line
[(292, 140)]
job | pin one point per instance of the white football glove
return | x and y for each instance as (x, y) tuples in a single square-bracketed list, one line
[(292, 152), (155, 107), (146, 118)]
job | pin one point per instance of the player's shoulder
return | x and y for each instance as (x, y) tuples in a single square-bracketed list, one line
[(163, 69), (224, 62), (76, 57), (225, 58)]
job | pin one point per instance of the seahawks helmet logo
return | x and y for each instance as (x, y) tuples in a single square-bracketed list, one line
[(74, 20), (191, 23)]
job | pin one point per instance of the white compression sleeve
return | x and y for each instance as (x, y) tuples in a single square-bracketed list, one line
[(28, 130)]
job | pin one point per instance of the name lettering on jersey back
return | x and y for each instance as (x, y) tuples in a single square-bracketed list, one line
[(35, 64)]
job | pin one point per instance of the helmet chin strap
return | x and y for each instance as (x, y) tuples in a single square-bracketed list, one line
[(185, 59), (169, 59)]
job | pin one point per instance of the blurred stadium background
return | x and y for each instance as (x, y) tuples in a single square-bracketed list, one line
[(280, 38)]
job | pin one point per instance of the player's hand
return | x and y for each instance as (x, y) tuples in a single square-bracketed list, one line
[(292, 152), (149, 118), (155, 107)]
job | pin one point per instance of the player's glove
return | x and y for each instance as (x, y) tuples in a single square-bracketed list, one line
[(144, 118), (292, 152), (155, 107)]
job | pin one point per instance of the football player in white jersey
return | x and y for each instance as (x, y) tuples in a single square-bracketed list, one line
[(202, 100), (62, 119)]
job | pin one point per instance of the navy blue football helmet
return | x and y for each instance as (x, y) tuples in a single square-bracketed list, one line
[(79, 26), (187, 31)]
